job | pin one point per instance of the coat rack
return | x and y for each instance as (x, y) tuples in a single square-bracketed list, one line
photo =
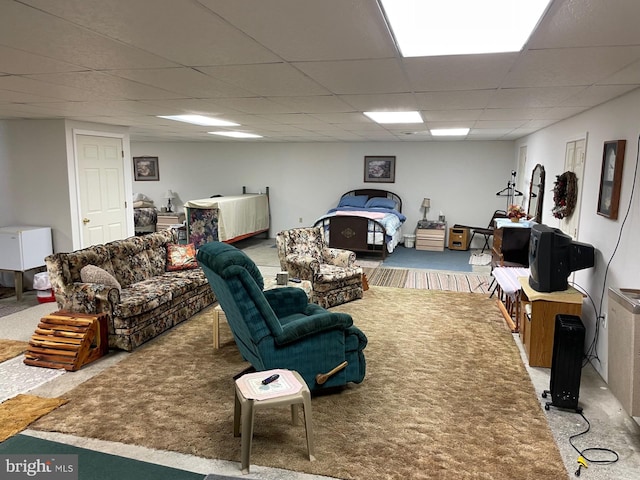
[(510, 191)]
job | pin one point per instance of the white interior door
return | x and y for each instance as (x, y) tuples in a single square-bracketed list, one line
[(574, 162), (101, 189)]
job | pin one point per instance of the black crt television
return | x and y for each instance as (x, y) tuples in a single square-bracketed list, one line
[(553, 255)]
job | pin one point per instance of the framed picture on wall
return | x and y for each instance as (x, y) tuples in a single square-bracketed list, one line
[(379, 169), (611, 178), (145, 169)]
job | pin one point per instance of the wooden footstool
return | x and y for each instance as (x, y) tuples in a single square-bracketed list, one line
[(289, 389)]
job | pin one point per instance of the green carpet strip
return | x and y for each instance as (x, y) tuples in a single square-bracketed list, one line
[(94, 465)]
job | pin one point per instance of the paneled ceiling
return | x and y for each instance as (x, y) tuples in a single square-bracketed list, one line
[(300, 70)]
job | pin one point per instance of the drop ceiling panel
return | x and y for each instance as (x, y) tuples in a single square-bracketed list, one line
[(458, 100), (187, 105), (451, 115), (302, 69), (597, 94), (461, 72), (384, 102), (186, 81), (48, 90), (105, 85), (273, 79), (358, 76), (311, 30), (314, 104), (184, 32), (64, 41), (532, 97), (18, 62), (569, 66), (590, 23)]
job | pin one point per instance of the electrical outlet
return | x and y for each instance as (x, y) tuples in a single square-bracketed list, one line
[(300, 220)]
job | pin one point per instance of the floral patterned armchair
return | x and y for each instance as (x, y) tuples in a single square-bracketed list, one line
[(334, 277)]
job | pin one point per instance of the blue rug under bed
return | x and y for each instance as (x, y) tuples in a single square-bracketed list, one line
[(452, 260)]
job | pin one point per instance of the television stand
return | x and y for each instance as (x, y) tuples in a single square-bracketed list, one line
[(538, 313)]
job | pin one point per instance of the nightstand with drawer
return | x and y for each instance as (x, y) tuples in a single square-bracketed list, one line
[(431, 236), (167, 220)]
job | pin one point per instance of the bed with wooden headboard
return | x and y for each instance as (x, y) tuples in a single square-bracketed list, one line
[(365, 220)]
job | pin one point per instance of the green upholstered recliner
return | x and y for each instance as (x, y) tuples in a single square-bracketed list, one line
[(279, 328)]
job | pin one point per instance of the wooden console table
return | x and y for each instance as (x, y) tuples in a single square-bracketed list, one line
[(537, 325)]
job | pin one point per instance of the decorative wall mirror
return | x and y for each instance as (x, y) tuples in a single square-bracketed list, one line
[(536, 194)]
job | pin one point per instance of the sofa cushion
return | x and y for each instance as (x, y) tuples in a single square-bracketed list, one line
[(147, 295), (74, 262), (93, 274), (130, 260), (181, 257)]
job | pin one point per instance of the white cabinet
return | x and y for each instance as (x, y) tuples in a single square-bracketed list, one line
[(24, 248)]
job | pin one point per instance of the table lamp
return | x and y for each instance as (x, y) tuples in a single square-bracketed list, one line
[(426, 203), (169, 196)]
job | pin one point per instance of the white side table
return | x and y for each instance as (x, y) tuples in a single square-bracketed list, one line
[(288, 390)]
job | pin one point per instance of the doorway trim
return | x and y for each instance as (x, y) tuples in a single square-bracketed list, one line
[(74, 190)]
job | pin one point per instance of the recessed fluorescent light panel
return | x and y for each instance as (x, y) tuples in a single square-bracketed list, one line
[(449, 132), (461, 27), (236, 134), (200, 120), (394, 117)]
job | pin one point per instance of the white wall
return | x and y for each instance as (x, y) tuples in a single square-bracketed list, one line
[(37, 189), (306, 179), (615, 120), (37, 185)]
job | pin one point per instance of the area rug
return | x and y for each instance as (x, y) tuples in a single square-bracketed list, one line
[(454, 282), (446, 396), (479, 259), (11, 306), (11, 348), (6, 292), (16, 377), (386, 277), (17, 413)]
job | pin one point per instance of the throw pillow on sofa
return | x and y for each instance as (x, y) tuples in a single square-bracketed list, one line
[(94, 274), (181, 257)]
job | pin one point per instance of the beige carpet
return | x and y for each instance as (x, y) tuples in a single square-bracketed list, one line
[(11, 348), (446, 396), (18, 412)]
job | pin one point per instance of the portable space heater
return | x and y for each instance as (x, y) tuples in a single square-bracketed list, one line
[(566, 363)]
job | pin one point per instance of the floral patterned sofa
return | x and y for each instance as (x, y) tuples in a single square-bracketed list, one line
[(334, 276), (143, 298)]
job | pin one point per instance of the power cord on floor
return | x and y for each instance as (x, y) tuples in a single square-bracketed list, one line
[(583, 460)]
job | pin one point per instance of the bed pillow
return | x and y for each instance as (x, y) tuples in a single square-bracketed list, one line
[(94, 274), (381, 202), (181, 257), (353, 201)]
